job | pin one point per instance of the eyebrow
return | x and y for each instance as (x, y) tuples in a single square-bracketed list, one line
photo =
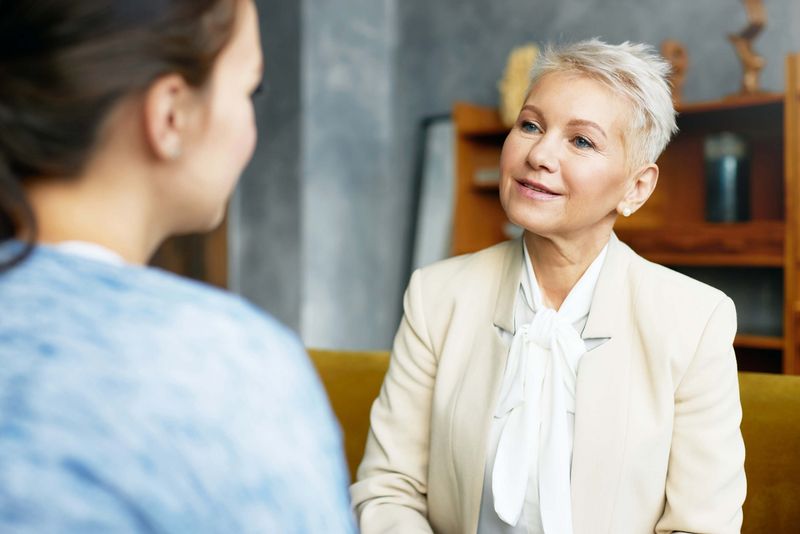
[(572, 122)]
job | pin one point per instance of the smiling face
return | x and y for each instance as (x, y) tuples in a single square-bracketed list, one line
[(563, 165)]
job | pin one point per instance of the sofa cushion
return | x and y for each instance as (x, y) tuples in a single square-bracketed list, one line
[(353, 381), (771, 430)]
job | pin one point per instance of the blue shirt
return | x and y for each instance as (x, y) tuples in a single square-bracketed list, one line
[(132, 400)]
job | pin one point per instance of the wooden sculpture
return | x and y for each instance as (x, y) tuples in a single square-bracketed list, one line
[(752, 63), (674, 52), (514, 84)]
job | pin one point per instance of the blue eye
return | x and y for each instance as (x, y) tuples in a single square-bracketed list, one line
[(529, 127), (582, 142)]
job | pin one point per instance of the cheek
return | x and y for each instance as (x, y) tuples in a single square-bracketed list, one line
[(510, 159), (226, 149), (247, 139), (510, 154), (234, 136), (243, 128), (595, 187)]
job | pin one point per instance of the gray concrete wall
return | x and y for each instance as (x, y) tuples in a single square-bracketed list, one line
[(354, 204), (456, 49), (265, 216)]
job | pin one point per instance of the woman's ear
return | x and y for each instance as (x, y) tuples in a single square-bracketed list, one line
[(165, 116), (640, 189)]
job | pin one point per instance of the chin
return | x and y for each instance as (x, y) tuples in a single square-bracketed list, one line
[(201, 223), (216, 220), (539, 223)]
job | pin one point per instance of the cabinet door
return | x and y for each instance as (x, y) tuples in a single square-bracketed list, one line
[(791, 354)]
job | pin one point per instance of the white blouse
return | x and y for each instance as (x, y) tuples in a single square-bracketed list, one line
[(91, 251), (526, 487)]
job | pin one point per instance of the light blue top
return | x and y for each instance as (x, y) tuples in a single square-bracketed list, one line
[(132, 400)]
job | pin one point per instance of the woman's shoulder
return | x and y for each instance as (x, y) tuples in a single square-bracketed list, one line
[(668, 281), (124, 300), (202, 303), (200, 310), (475, 265), (469, 283), (163, 331), (675, 295)]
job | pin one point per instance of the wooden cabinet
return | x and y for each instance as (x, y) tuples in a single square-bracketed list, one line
[(671, 228)]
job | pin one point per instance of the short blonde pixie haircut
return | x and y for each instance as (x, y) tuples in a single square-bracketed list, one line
[(634, 71)]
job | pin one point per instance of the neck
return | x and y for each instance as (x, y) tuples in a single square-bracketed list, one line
[(98, 211), (559, 263)]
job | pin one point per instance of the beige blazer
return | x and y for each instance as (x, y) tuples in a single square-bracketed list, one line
[(657, 442)]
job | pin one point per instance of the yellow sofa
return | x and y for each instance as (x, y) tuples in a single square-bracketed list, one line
[(352, 380), (770, 425), (771, 429)]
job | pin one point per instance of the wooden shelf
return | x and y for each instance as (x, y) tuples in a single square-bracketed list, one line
[(756, 243), (746, 341), (472, 119), (731, 103)]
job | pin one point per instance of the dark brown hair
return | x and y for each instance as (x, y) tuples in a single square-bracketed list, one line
[(64, 64)]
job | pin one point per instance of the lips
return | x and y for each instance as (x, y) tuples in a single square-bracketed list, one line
[(537, 189)]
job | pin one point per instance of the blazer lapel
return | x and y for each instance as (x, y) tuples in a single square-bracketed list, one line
[(474, 405), (508, 287), (602, 396)]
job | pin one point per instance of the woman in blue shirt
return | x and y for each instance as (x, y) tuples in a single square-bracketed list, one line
[(132, 400)]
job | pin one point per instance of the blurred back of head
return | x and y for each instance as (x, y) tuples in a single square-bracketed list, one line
[(64, 64)]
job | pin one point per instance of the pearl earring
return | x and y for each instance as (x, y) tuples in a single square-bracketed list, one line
[(626, 212), (174, 151)]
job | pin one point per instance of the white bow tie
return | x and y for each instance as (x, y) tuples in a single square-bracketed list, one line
[(537, 393), (541, 372)]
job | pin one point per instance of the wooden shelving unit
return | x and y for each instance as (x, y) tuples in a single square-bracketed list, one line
[(758, 342), (671, 228), (752, 244)]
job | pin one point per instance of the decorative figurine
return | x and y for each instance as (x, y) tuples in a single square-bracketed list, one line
[(752, 63), (674, 52), (514, 84)]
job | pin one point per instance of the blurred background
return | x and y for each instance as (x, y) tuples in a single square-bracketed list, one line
[(321, 232)]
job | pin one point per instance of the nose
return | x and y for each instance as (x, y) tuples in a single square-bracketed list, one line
[(543, 154)]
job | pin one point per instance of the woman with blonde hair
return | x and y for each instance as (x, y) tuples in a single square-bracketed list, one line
[(560, 383), (133, 400)]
